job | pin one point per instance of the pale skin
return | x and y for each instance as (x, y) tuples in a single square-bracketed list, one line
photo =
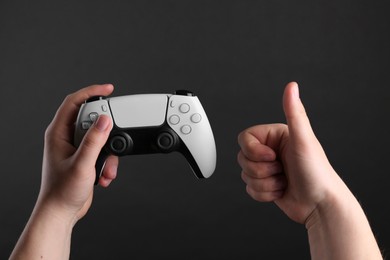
[(286, 164), (281, 163), (68, 176)]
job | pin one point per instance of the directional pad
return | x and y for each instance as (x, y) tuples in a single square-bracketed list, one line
[(93, 116), (85, 125)]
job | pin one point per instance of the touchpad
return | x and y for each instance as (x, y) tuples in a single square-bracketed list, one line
[(142, 110)]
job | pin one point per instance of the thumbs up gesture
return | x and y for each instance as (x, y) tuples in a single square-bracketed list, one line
[(285, 164)]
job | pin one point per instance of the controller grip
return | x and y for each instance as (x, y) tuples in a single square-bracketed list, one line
[(100, 163)]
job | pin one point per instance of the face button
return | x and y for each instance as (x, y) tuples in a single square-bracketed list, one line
[(184, 108), (185, 129), (174, 119), (195, 118)]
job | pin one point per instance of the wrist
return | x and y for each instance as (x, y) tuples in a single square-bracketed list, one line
[(46, 235), (57, 213), (338, 228), (336, 201)]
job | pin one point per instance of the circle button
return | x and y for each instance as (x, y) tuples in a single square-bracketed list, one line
[(186, 129), (195, 118)]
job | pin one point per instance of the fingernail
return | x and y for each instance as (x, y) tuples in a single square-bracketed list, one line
[(109, 85), (102, 123)]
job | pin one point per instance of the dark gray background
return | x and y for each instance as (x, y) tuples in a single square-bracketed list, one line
[(237, 57)]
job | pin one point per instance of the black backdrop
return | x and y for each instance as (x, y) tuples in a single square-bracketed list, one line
[(237, 57)]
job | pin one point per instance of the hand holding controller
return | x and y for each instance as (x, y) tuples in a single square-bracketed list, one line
[(153, 123)]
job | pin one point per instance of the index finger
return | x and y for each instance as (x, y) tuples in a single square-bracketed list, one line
[(261, 142), (253, 149), (67, 113)]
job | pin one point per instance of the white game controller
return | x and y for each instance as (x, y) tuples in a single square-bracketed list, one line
[(152, 123)]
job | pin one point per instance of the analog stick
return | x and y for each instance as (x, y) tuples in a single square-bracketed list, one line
[(166, 141), (119, 144)]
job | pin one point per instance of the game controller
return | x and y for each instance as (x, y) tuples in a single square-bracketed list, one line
[(152, 123)]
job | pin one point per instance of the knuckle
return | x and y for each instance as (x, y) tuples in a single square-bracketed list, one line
[(240, 158), (48, 131), (252, 149), (49, 135), (243, 176), (264, 185), (67, 99), (258, 196), (261, 185), (89, 142), (93, 139), (243, 136), (263, 191), (281, 126), (260, 170), (240, 137)]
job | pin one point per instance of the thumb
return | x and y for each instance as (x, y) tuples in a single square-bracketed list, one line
[(298, 123), (93, 141)]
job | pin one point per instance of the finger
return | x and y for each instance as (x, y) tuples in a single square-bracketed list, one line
[(71, 105), (297, 120), (253, 148), (110, 171), (93, 141), (274, 183), (264, 196), (259, 169), (67, 113)]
